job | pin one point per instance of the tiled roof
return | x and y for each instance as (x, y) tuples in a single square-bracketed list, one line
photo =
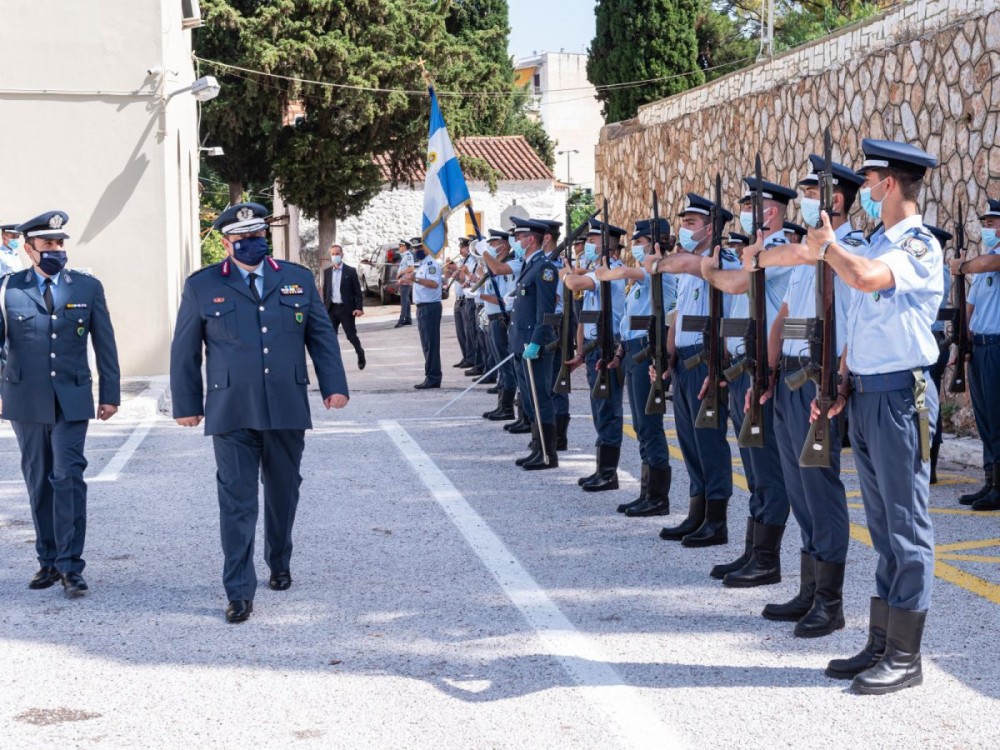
[(510, 155)]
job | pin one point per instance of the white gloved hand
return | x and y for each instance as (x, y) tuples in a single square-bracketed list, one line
[(482, 246)]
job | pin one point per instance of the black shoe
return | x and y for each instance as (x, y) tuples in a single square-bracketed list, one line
[(869, 656), (495, 389), (900, 666), (695, 518), (714, 530), (606, 477), (281, 581), (764, 566), (239, 610), (362, 361), (562, 440), (550, 458), (463, 363), (473, 372), (971, 497), (797, 607), (408, 323), (643, 490), (991, 500), (74, 585), (425, 385), (45, 577), (719, 571), (657, 495), (826, 615), (400, 324)]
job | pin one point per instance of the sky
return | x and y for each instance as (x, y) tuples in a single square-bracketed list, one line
[(550, 26)]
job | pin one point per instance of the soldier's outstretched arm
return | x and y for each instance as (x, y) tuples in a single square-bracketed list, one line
[(102, 336), (186, 386), (324, 349)]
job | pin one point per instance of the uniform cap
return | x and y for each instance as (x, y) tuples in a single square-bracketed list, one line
[(243, 218), (895, 155), (48, 226)]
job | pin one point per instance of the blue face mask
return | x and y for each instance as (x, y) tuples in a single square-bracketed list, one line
[(990, 239), (250, 250), (590, 252), (746, 222), (336, 259), (518, 249), (639, 253), (871, 206), (810, 211), (419, 255), (52, 261), (14, 244), (685, 237)]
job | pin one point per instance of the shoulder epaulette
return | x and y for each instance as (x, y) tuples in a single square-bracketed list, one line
[(203, 269), (292, 263)]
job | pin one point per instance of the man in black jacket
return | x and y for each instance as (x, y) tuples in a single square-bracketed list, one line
[(343, 299)]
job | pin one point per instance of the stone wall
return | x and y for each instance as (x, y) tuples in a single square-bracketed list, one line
[(927, 72)]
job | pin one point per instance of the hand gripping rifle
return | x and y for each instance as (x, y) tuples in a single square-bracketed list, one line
[(957, 316), (754, 333), (605, 323), (656, 324), (821, 333), (711, 327)]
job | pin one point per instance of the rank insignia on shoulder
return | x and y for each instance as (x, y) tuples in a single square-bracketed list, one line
[(915, 247), (292, 289), (548, 275), (218, 300), (851, 241), (76, 305), (299, 317)]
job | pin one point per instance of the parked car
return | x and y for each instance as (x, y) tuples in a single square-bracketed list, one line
[(378, 273)]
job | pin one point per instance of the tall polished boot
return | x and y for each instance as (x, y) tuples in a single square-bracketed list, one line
[(548, 434), (900, 666), (535, 447), (522, 424), (714, 530), (935, 450), (505, 409), (971, 497), (720, 571), (764, 567), (797, 607), (488, 414), (562, 426), (657, 495), (695, 518), (991, 500), (868, 657), (826, 615), (607, 470), (643, 490), (597, 468)]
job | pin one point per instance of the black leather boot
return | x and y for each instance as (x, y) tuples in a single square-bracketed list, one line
[(487, 414), (935, 449), (991, 500), (764, 567), (505, 408), (521, 425), (900, 666), (548, 434), (720, 571), (714, 530), (562, 425), (695, 518), (868, 657), (971, 497), (643, 490), (797, 607), (826, 615), (535, 448), (607, 470), (657, 495), (597, 468)]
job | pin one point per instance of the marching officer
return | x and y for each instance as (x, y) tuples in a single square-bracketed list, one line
[(425, 278), (884, 385), (254, 317), (10, 240), (405, 290), (47, 315)]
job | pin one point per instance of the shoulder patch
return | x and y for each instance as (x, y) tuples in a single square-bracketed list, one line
[(432, 269), (915, 246), (548, 274), (852, 241)]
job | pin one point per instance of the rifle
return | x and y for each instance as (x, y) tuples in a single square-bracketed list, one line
[(656, 403), (605, 334), (821, 333), (957, 316), (711, 328), (754, 333)]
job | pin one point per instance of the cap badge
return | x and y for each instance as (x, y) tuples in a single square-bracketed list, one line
[(56, 222), (244, 214)]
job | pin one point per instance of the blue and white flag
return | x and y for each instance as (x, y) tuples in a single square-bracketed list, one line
[(444, 186)]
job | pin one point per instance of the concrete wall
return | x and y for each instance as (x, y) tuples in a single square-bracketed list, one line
[(927, 72), (85, 129)]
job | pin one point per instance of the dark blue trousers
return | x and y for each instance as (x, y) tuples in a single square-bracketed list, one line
[(501, 348), (53, 463), (895, 487), (648, 427), (472, 332), (460, 329), (707, 458), (984, 377), (608, 413), (405, 294), (429, 328), (543, 378), (242, 458)]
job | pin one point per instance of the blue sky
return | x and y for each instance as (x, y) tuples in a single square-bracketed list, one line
[(550, 25)]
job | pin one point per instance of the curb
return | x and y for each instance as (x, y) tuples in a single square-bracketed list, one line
[(148, 404)]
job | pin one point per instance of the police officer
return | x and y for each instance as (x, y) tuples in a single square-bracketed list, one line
[(425, 278), (737, 243), (817, 494), (10, 240), (405, 290), (497, 247), (984, 324), (890, 348), (536, 291), (465, 308), (47, 315), (937, 370), (608, 413), (793, 232), (560, 401), (255, 318)]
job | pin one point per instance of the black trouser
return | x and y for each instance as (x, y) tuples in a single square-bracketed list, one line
[(342, 314), (429, 328)]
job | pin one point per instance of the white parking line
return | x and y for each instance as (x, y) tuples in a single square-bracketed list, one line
[(582, 658), (113, 468)]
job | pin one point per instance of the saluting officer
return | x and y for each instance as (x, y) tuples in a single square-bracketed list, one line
[(425, 278), (890, 348), (254, 317), (47, 315)]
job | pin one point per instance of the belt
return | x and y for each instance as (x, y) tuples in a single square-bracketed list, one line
[(891, 381), (494, 316), (640, 342), (686, 352), (791, 364), (986, 339), (426, 304)]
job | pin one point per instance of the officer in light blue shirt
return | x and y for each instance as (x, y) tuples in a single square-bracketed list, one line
[(10, 241), (425, 278), (898, 286), (405, 290), (493, 292)]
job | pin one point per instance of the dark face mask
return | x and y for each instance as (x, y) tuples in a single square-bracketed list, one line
[(52, 261), (419, 254), (250, 250)]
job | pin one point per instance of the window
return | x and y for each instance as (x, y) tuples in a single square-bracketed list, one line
[(470, 231), (191, 12)]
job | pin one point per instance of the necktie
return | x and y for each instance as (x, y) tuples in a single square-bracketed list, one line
[(252, 278), (49, 304)]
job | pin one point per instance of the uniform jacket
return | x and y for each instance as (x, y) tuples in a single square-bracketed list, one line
[(537, 290), (255, 356), (47, 355), (350, 287)]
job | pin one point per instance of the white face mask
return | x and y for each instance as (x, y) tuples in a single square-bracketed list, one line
[(810, 211), (746, 222), (686, 239)]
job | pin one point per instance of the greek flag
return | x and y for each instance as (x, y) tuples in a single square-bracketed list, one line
[(444, 186)]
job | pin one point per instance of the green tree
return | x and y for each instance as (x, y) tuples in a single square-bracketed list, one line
[(638, 40), (580, 205), (724, 44)]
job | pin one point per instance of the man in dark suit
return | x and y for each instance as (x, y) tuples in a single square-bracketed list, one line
[(255, 318), (47, 315), (343, 299)]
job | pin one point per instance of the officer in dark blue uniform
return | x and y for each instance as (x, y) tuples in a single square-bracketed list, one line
[(898, 287), (47, 315), (560, 401), (536, 293), (255, 317)]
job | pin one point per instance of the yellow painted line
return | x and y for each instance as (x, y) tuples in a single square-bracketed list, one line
[(675, 452), (967, 581), (969, 558), (936, 511), (975, 544)]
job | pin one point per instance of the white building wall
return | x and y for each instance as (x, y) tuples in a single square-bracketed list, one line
[(84, 128)]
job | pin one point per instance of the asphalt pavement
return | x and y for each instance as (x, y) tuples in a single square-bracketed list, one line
[(444, 598)]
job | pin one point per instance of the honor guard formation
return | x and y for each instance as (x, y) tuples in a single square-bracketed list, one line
[(802, 339)]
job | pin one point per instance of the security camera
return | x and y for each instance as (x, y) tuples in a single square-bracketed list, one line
[(213, 151)]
